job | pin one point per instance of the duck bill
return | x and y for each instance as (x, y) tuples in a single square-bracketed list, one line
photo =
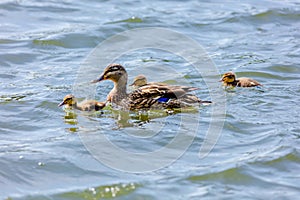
[(61, 104), (221, 80), (101, 78)]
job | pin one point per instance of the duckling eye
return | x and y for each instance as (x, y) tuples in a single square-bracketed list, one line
[(69, 100)]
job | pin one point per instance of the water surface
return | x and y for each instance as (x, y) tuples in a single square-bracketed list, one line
[(42, 47)]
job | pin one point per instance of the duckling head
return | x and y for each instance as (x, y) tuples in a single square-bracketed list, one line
[(113, 72), (68, 100), (139, 81), (228, 77)]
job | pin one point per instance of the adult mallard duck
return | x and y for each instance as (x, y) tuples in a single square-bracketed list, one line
[(229, 79), (88, 105), (148, 96)]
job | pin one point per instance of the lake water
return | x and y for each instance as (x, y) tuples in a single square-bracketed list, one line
[(47, 153)]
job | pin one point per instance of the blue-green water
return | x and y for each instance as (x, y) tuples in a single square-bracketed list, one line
[(43, 45)]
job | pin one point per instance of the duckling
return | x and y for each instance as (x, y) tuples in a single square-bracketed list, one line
[(229, 79), (141, 80), (88, 105), (147, 96)]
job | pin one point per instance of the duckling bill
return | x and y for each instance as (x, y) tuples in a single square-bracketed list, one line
[(229, 79), (70, 101)]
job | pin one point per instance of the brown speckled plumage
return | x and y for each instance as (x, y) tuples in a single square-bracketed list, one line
[(181, 99)]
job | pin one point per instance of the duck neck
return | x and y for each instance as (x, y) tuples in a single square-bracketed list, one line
[(73, 106), (78, 107), (231, 84), (119, 92), (235, 83)]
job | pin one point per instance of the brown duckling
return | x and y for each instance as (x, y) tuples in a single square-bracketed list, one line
[(141, 80), (229, 79), (88, 105)]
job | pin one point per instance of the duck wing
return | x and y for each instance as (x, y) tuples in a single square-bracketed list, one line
[(158, 91), (146, 96), (247, 82)]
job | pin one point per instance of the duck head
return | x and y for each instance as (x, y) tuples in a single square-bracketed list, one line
[(113, 72), (68, 100), (228, 77), (139, 81)]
